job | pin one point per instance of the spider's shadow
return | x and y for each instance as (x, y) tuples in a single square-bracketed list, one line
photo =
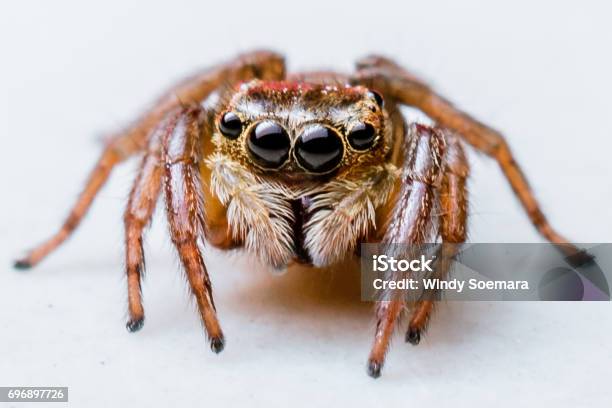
[(304, 292), (318, 299)]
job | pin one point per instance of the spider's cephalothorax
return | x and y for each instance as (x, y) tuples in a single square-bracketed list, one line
[(298, 168)]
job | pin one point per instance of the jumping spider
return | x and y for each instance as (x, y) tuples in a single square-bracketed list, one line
[(297, 168)]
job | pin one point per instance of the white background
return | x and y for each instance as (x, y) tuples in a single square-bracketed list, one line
[(70, 72)]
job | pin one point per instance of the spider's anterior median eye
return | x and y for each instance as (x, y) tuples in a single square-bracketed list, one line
[(319, 149), (269, 144), (230, 125), (361, 136)]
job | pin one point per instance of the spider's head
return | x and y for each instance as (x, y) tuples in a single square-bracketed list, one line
[(294, 130)]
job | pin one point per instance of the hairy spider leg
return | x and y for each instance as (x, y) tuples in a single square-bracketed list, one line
[(453, 227), (257, 64), (410, 222), (391, 79)]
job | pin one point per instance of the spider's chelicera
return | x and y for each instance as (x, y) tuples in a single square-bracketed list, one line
[(297, 168)]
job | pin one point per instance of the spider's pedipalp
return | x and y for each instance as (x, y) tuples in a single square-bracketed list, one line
[(343, 212), (258, 214)]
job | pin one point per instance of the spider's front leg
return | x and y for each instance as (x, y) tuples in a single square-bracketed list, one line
[(411, 222), (432, 201), (172, 160), (452, 227), (181, 157)]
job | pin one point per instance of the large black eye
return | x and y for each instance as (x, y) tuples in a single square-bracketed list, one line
[(269, 144), (361, 136), (319, 149), (230, 125)]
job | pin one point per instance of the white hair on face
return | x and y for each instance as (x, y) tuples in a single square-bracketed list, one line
[(260, 215), (345, 211)]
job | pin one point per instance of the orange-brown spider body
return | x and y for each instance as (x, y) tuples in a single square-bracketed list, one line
[(297, 168)]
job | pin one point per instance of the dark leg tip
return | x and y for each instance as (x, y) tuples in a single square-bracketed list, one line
[(580, 258), (217, 344), (22, 264), (374, 368), (134, 325), (413, 336)]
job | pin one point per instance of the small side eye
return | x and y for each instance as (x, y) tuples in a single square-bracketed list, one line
[(377, 97), (230, 125), (361, 136)]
